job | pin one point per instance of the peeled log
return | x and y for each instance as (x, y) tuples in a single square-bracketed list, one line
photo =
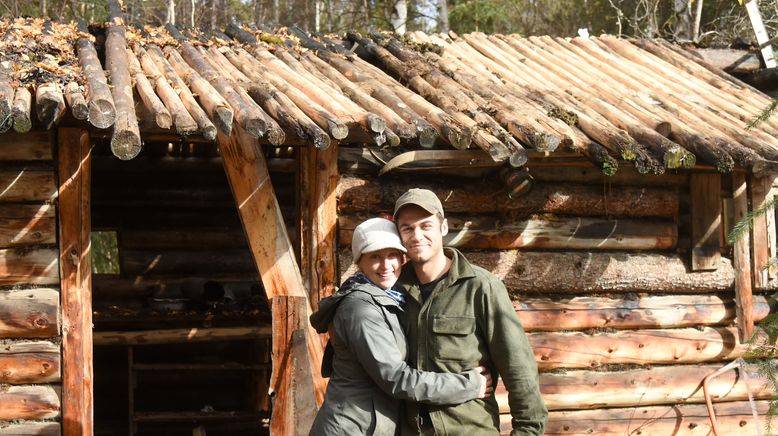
[(29, 313), (637, 347), (102, 112), (29, 362), (680, 420), (34, 267), (645, 386), (29, 402), (32, 429), (20, 110), (26, 185), (356, 194), (27, 225), (125, 142), (630, 312), (50, 104)]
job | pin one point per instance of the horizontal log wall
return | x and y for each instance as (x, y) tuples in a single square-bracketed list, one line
[(622, 329), (30, 356)]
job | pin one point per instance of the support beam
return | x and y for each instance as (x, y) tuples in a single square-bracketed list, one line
[(318, 180), (76, 273), (760, 247), (705, 193), (266, 233), (742, 260)]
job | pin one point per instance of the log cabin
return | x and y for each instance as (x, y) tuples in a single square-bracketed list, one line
[(175, 205)]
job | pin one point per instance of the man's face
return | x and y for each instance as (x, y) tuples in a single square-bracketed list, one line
[(421, 233)]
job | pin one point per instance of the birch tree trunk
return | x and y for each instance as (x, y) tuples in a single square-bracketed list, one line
[(400, 16), (443, 16), (171, 12)]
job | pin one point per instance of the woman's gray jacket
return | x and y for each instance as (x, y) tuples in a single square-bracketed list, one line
[(369, 376)]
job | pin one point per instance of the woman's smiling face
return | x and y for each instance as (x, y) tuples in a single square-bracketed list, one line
[(382, 267)]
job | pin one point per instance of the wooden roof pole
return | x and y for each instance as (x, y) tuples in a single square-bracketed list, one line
[(265, 230), (76, 285)]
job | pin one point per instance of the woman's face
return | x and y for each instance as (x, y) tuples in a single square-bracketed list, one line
[(382, 267)]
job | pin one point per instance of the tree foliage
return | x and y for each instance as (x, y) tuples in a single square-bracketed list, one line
[(721, 21)]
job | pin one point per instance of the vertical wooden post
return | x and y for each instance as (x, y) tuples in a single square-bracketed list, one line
[(76, 272), (760, 187), (705, 192), (265, 230), (318, 181), (742, 260), (772, 233)]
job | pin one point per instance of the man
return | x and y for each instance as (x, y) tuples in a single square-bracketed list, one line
[(460, 317)]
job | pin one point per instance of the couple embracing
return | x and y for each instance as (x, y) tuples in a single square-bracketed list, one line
[(417, 349)]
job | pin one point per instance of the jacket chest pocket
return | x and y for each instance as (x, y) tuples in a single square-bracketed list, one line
[(455, 338)]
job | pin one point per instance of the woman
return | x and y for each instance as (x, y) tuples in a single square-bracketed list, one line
[(366, 353)]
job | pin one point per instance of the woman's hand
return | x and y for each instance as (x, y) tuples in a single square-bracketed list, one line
[(487, 386)]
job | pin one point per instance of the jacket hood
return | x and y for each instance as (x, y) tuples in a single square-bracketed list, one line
[(321, 319)]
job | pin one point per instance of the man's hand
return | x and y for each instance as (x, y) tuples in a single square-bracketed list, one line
[(487, 388)]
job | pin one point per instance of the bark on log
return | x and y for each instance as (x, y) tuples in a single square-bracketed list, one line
[(29, 402), (26, 185), (125, 141), (217, 106), (31, 429), (174, 336), (204, 123), (357, 194), (29, 313), (679, 420), (269, 97), (184, 123), (102, 112), (35, 267), (33, 145), (146, 92), (484, 232), (6, 92), (20, 110), (647, 312), (49, 104), (29, 362), (577, 390), (575, 272), (76, 101), (638, 347), (27, 225)]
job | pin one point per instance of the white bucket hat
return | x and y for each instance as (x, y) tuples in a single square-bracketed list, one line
[(373, 235)]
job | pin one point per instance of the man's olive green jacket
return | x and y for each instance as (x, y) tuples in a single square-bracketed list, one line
[(469, 320)]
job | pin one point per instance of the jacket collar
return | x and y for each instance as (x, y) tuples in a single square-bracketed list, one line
[(460, 269)]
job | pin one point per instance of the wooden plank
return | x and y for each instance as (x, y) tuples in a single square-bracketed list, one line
[(29, 313), (705, 193), (265, 230), (742, 260), (650, 386), (74, 150), (642, 312), (38, 266), (172, 336), (527, 272), (31, 429), (677, 420), (27, 224), (34, 145), (575, 233), (29, 362), (318, 179), (29, 402), (638, 347), (760, 248), (27, 185)]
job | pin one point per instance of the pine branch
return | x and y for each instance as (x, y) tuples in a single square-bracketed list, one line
[(743, 226), (762, 117)]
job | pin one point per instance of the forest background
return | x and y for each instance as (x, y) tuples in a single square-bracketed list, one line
[(710, 22)]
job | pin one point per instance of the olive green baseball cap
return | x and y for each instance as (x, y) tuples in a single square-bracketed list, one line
[(424, 198)]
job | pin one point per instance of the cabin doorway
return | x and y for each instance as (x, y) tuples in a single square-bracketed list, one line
[(181, 321)]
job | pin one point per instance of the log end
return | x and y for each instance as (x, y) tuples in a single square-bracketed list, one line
[(22, 122), (392, 139), (6, 123), (49, 112), (338, 129), (321, 141), (163, 120), (458, 138), (256, 127), (125, 144), (102, 113), (427, 136), (209, 132), (664, 128), (518, 158), (80, 110), (545, 142), (404, 131), (222, 117), (376, 123), (276, 135)]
